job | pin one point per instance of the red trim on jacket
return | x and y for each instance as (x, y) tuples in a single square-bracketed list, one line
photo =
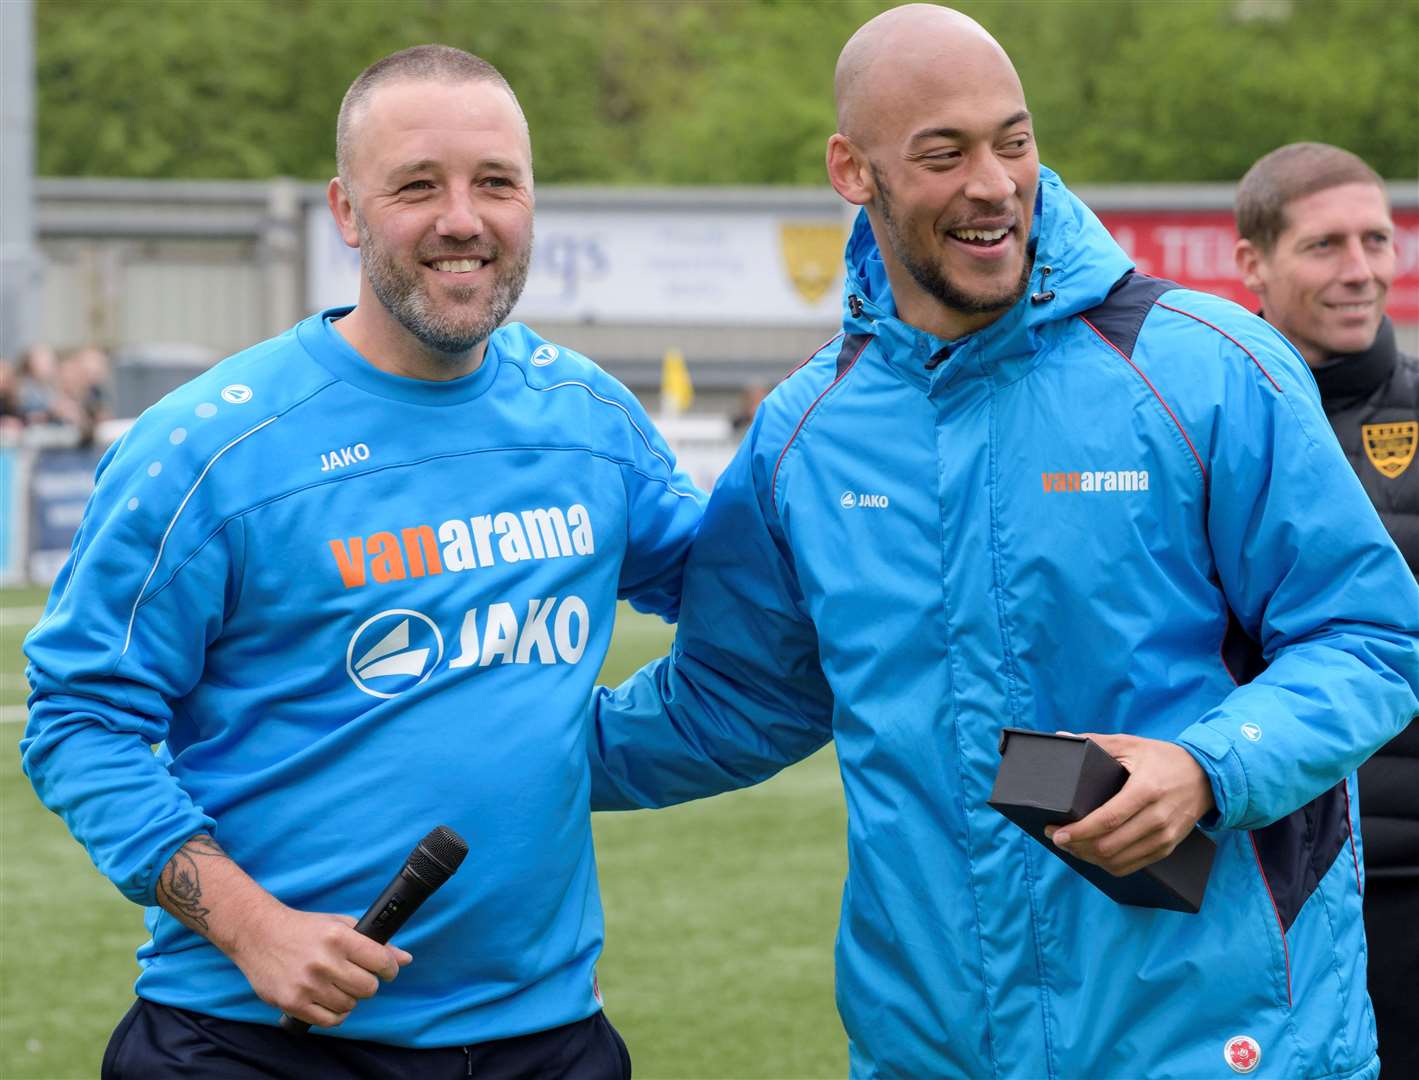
[(1166, 407), (808, 412), (1229, 337), (1285, 949)]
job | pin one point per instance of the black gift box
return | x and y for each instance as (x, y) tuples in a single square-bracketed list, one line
[(1049, 779)]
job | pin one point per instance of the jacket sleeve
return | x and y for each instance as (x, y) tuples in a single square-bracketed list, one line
[(122, 639), (1314, 580), (741, 694), (663, 511)]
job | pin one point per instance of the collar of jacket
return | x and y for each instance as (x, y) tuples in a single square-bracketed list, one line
[(1076, 262), (1357, 375)]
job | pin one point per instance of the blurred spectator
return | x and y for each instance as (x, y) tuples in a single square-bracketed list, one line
[(83, 384), (748, 404), (72, 393), (1317, 246), (12, 420), (36, 391)]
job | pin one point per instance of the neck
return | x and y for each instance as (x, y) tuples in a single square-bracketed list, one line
[(924, 312), (1350, 375), (384, 343)]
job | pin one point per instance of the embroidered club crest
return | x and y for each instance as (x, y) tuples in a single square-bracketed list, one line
[(1390, 447), (812, 254)]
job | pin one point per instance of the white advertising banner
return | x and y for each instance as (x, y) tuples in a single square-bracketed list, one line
[(651, 265)]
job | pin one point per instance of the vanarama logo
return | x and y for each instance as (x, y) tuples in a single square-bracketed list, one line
[(1096, 480), (463, 544)]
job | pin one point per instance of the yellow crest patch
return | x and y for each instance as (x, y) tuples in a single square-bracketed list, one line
[(1390, 447), (813, 255)]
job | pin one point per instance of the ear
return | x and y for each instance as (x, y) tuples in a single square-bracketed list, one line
[(1250, 265), (343, 211), (848, 171)]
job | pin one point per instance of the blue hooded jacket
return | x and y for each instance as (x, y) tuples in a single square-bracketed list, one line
[(1118, 508)]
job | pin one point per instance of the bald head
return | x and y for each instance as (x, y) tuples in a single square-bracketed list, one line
[(881, 60)]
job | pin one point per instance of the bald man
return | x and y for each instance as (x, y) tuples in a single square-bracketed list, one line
[(1029, 487), (359, 580)]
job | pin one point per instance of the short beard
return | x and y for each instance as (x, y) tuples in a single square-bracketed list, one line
[(929, 276), (446, 336)]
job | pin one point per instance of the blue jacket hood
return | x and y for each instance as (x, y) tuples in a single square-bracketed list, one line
[(1076, 263)]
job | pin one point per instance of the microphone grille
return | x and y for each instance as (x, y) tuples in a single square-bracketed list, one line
[(438, 855)]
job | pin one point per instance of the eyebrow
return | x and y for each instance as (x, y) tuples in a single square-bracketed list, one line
[(1342, 233), (429, 165), (958, 133), (412, 167)]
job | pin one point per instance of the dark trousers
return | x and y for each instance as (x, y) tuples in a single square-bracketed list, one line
[(1392, 930), (158, 1042)]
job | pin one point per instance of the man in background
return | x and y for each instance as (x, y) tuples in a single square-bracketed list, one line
[(358, 580), (1027, 487), (1317, 247)]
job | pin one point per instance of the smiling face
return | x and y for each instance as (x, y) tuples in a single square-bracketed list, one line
[(439, 202), (1324, 282), (944, 159)]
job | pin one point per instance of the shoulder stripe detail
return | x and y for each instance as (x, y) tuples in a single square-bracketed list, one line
[(1121, 315), (815, 352), (157, 559), (1229, 337), (861, 342), (670, 469), (1166, 407)]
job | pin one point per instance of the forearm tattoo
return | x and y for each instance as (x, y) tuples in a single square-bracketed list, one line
[(180, 884)]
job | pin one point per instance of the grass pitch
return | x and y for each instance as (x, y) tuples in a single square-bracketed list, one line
[(720, 915)]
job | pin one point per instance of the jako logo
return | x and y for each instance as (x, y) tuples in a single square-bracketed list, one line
[(346, 455), (392, 652), (544, 354), (548, 633), (1097, 480), (864, 500)]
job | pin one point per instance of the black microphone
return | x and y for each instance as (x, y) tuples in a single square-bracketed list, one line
[(429, 865)]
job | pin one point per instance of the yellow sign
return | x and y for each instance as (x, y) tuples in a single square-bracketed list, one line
[(812, 254), (676, 389), (1390, 447)]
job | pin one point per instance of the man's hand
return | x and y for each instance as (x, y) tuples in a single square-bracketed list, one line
[(1165, 795), (314, 967)]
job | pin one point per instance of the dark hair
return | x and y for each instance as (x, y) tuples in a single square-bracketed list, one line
[(439, 62), (1287, 174)]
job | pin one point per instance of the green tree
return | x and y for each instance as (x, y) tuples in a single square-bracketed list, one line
[(697, 91)]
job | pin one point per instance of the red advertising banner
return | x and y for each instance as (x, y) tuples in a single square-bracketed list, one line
[(1194, 248)]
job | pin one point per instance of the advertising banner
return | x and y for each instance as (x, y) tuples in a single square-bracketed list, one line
[(12, 516), (1195, 249), (60, 484), (757, 267), (734, 267)]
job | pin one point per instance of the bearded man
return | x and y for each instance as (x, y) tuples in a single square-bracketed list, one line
[(1028, 487), (358, 581)]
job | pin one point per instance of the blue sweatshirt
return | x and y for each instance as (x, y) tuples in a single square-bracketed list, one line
[(354, 606)]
